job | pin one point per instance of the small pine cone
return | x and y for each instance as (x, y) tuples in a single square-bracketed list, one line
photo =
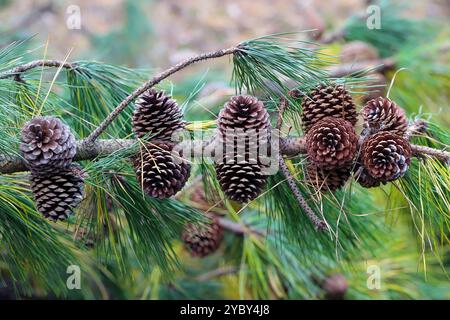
[(331, 143), (160, 170), (327, 180), (202, 240), (326, 101), (157, 115), (206, 201), (382, 114), (243, 112), (241, 181), (57, 194), (47, 145), (243, 130), (386, 156), (335, 287)]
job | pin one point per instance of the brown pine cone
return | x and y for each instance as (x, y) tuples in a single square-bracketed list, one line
[(365, 179), (157, 115), (382, 114), (47, 145), (202, 240), (57, 194), (160, 170), (206, 201), (243, 130), (327, 101), (240, 180), (331, 143), (386, 156), (335, 287), (243, 112), (327, 180)]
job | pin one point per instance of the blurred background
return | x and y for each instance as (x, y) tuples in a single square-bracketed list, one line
[(156, 34)]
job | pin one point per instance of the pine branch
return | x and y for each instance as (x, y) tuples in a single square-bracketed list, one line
[(319, 224), (238, 228), (418, 127), (11, 164), (17, 71), (436, 153), (290, 147), (147, 85), (217, 273)]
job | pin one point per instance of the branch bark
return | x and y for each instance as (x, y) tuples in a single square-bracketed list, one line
[(17, 71), (238, 228), (436, 153), (11, 164), (318, 224), (290, 147), (147, 85)]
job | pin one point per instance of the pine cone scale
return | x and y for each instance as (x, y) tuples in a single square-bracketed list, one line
[(157, 115), (327, 101), (159, 173), (47, 145), (331, 143), (386, 156), (243, 124)]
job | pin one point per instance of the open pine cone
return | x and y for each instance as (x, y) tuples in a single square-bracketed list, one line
[(327, 101), (386, 156), (243, 113), (331, 143), (382, 114), (327, 180), (157, 115), (243, 129), (364, 178), (47, 145), (160, 170), (57, 194), (202, 240), (240, 180)]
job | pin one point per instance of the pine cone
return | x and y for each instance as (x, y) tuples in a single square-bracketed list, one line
[(243, 112), (331, 143), (335, 287), (326, 101), (47, 145), (364, 178), (382, 114), (240, 180), (157, 115), (57, 194), (327, 180), (202, 240), (161, 171), (210, 201), (386, 156), (243, 129)]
